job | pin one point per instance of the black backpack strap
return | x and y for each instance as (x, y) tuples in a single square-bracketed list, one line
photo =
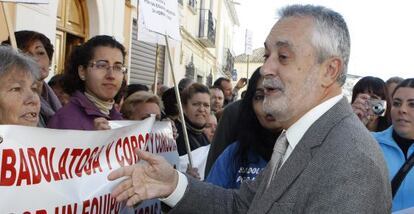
[(399, 177)]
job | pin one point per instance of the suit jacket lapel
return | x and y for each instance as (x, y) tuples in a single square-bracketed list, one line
[(301, 155)]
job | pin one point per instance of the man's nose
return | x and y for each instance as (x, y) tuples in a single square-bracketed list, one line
[(268, 69)]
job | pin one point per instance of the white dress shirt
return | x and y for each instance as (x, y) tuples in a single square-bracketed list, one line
[(294, 134)]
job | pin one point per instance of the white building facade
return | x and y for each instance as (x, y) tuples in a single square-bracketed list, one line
[(204, 53)]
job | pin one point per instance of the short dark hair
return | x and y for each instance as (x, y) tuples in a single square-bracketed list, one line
[(193, 89), (407, 83), (56, 80), (135, 87), (218, 81), (25, 38), (184, 83), (81, 55), (170, 103)]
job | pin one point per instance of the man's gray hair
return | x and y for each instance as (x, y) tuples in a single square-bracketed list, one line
[(331, 36), (11, 60)]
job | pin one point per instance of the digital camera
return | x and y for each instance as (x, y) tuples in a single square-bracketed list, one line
[(378, 106)]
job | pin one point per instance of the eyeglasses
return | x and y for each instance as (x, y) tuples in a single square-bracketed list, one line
[(104, 65)]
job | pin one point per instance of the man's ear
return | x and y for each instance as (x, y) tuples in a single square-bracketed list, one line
[(331, 70), (81, 72)]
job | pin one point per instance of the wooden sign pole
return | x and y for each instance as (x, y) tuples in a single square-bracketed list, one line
[(9, 25)]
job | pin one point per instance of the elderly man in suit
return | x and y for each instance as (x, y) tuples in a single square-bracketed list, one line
[(329, 163)]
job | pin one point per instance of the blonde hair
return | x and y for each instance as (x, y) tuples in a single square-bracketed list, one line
[(128, 106)]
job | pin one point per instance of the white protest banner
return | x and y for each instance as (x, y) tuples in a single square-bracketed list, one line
[(161, 16), (47, 171), (199, 160), (27, 1)]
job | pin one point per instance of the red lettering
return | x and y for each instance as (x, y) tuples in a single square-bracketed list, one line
[(24, 173), (127, 151), (142, 141), (118, 145), (135, 145), (95, 206), (88, 164), (44, 167), (56, 175), (81, 163), (107, 203), (62, 164), (69, 210), (108, 149), (34, 165), (100, 204), (86, 205), (8, 160), (113, 204), (96, 164), (75, 153), (37, 212)]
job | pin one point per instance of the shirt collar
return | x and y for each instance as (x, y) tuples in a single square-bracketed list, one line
[(295, 132)]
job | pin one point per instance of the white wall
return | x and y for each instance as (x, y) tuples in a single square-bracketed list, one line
[(40, 18), (105, 17)]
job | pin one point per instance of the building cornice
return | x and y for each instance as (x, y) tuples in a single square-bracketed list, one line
[(187, 36), (232, 10)]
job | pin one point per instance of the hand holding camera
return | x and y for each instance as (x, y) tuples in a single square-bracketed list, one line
[(368, 108)]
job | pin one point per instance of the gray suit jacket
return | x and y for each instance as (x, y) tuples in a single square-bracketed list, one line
[(337, 167)]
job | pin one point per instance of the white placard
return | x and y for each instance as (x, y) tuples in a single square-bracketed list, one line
[(147, 36), (161, 16), (248, 45)]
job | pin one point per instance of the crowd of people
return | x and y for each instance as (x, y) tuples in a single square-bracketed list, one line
[(293, 143)]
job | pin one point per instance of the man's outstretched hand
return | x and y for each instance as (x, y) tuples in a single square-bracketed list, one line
[(153, 177)]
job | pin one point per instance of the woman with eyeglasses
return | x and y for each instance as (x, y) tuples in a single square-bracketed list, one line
[(93, 77)]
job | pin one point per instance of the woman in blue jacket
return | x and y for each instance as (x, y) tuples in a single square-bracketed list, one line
[(397, 142), (257, 133)]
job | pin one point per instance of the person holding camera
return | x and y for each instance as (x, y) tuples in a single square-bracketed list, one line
[(396, 143), (370, 103)]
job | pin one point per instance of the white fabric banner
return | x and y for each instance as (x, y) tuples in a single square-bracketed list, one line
[(65, 171), (160, 16), (199, 156), (28, 1)]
